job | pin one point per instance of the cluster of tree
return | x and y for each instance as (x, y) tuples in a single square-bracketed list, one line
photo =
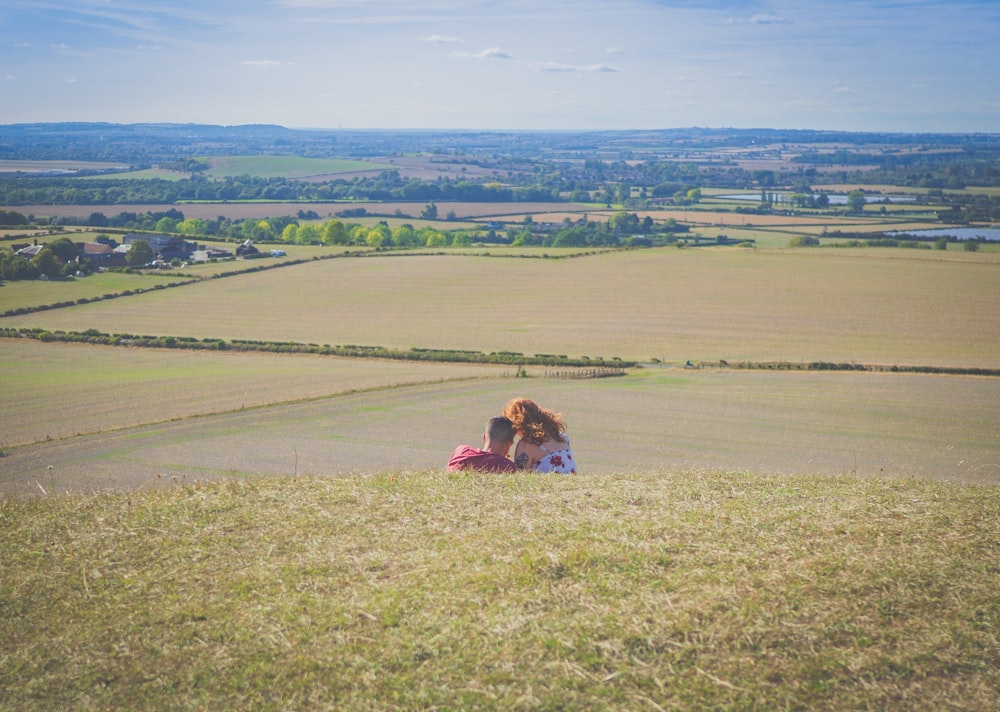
[(57, 259), (951, 167), (63, 258), (972, 208), (336, 232), (622, 228), (386, 186), (10, 218)]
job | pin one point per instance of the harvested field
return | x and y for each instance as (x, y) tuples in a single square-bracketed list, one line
[(37, 166), (863, 306), (937, 427), (54, 391)]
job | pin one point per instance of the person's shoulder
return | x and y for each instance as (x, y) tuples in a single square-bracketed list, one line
[(461, 455), (463, 449), (466, 457)]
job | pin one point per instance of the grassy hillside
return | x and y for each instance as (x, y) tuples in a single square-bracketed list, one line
[(406, 590)]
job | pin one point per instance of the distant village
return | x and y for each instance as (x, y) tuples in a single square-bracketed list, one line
[(168, 251)]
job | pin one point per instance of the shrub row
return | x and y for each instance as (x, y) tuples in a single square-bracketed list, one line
[(828, 366), (92, 336)]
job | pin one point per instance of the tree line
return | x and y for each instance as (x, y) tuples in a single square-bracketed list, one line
[(63, 258)]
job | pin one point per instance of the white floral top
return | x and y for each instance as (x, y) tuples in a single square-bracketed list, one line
[(559, 461)]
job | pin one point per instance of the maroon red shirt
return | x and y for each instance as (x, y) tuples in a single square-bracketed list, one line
[(469, 458)]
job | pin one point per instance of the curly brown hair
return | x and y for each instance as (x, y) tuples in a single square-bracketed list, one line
[(534, 423)]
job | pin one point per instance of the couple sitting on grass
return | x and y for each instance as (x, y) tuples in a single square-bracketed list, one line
[(543, 445)]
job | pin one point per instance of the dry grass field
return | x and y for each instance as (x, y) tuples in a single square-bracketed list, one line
[(659, 590), (899, 425), (122, 417), (54, 391), (863, 306)]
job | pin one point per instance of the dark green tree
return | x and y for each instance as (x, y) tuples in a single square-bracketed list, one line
[(47, 263), (140, 254)]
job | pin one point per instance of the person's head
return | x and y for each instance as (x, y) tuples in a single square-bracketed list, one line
[(534, 423), (499, 436)]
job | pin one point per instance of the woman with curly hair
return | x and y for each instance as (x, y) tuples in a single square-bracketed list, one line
[(543, 444)]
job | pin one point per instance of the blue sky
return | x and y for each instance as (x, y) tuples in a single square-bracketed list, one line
[(896, 65)]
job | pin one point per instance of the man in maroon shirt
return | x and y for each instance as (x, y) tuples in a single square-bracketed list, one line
[(497, 442)]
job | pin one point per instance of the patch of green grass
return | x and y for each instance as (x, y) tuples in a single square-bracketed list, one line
[(145, 174), (33, 293), (286, 166), (405, 590)]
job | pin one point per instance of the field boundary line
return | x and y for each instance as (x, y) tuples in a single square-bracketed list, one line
[(244, 409)]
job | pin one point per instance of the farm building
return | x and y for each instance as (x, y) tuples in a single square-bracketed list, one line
[(31, 250), (210, 254), (247, 249), (101, 254), (166, 247)]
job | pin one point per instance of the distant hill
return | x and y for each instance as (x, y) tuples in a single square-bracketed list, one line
[(153, 143)]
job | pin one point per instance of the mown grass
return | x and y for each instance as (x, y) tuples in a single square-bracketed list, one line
[(428, 590)]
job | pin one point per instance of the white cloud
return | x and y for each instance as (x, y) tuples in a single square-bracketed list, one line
[(764, 18), (265, 63), (441, 39), (491, 53)]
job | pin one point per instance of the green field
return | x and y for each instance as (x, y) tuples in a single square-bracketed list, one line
[(146, 174), (292, 167)]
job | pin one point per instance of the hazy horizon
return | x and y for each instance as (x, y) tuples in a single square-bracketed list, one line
[(904, 66)]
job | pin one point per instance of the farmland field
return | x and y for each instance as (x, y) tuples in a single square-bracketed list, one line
[(107, 417), (127, 387), (287, 166), (863, 306), (31, 166), (938, 427), (130, 417)]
